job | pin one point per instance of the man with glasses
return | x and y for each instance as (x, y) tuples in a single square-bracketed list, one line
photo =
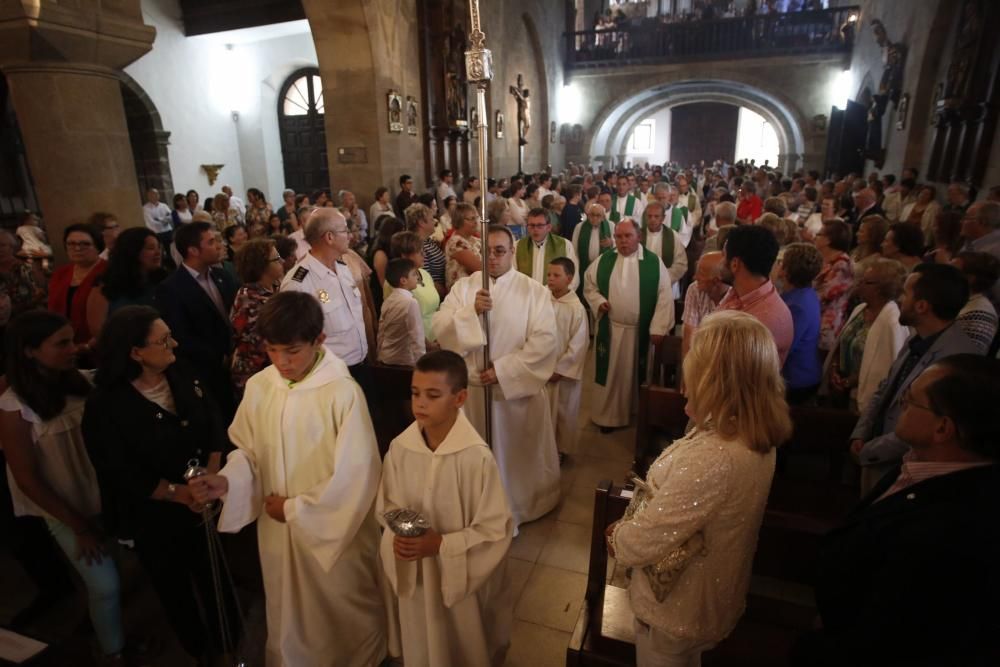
[(405, 196), (932, 297), (911, 577), (536, 251), (323, 273), (523, 358)]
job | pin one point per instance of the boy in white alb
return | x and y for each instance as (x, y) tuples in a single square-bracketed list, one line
[(401, 325), (306, 468), (454, 596), (572, 338)]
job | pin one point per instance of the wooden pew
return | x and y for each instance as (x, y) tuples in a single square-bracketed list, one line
[(667, 362), (392, 415), (603, 634), (661, 419)]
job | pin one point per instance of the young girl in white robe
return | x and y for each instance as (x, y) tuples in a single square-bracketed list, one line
[(454, 596), (307, 470)]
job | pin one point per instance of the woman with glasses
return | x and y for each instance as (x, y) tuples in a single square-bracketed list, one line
[(261, 269), (463, 248), (70, 285), (871, 337), (148, 420), (53, 478), (420, 219)]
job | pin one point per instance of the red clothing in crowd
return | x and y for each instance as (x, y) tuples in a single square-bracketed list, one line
[(750, 209), (75, 309)]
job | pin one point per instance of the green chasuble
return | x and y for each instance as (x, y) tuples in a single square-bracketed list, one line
[(583, 244), (613, 214), (666, 245), (649, 283), (555, 246), (678, 216)]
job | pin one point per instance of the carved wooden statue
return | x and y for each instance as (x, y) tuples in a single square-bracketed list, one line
[(520, 94)]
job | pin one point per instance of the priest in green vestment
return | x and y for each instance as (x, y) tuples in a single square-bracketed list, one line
[(536, 251), (624, 203), (592, 237), (629, 291)]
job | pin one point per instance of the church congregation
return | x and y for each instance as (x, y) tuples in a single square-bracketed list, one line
[(333, 424)]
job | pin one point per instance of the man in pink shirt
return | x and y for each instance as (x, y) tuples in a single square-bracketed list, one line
[(750, 254)]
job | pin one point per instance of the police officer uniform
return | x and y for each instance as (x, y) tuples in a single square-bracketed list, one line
[(340, 299)]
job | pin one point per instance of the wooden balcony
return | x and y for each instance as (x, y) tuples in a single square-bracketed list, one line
[(651, 41)]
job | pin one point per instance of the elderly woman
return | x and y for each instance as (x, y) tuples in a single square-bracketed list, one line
[(463, 247), (409, 246), (17, 279), (871, 233), (224, 214), (904, 243), (835, 280), (260, 270), (947, 237), (691, 532), (871, 337), (800, 264), (978, 318), (70, 285), (923, 212), (144, 425), (420, 220)]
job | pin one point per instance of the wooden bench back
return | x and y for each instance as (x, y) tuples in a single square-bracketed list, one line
[(392, 414)]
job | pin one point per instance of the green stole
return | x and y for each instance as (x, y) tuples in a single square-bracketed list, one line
[(583, 244), (678, 216), (649, 283), (555, 246), (666, 245), (613, 214)]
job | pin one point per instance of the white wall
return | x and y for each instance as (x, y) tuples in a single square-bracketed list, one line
[(197, 83), (661, 142)]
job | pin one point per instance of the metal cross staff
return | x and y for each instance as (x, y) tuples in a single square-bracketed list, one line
[(479, 70)]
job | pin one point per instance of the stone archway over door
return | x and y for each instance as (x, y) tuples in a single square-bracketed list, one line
[(148, 139), (301, 121)]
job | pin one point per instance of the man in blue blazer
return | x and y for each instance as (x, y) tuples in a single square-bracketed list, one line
[(195, 302)]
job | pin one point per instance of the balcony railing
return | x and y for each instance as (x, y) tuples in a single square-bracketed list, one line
[(650, 41)]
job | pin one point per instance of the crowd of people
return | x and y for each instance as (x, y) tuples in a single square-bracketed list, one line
[(241, 338)]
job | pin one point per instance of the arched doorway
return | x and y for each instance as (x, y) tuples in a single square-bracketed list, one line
[(17, 192), (303, 134), (149, 140)]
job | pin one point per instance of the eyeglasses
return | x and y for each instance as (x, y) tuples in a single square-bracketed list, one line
[(537, 225), (907, 400), (79, 244), (163, 342), (499, 251), (276, 259)]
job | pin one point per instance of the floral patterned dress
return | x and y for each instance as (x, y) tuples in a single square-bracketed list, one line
[(833, 285), (454, 269), (249, 356), (22, 289)]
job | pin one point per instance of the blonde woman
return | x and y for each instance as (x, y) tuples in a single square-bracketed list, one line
[(691, 539)]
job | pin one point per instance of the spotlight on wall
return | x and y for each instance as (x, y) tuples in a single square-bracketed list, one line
[(841, 88), (570, 103)]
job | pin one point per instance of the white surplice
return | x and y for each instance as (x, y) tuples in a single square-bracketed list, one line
[(572, 339), (654, 244), (612, 403), (540, 270), (314, 444), (455, 609), (523, 348)]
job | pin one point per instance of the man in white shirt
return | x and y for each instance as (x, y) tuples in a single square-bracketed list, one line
[(445, 188), (535, 252), (157, 217), (235, 202), (544, 186), (323, 273)]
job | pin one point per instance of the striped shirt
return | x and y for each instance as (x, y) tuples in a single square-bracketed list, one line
[(978, 321), (914, 472), (434, 260)]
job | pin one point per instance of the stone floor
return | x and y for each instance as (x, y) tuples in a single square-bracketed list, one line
[(548, 565)]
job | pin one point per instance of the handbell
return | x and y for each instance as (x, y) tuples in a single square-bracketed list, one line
[(406, 522)]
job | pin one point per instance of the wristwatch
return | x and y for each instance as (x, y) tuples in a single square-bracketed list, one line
[(171, 491)]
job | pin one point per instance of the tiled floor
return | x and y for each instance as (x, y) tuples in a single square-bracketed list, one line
[(549, 558), (548, 565)]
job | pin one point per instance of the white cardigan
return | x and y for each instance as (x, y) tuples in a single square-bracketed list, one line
[(885, 339)]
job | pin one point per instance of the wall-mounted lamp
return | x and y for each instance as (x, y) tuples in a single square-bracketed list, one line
[(235, 115), (852, 17)]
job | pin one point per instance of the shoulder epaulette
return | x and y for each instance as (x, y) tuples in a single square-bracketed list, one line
[(300, 274)]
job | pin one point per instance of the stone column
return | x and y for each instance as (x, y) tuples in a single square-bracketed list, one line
[(73, 123)]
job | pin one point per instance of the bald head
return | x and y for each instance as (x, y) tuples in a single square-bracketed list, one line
[(323, 221), (865, 198), (709, 266)]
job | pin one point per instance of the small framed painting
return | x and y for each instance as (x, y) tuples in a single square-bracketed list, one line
[(394, 102)]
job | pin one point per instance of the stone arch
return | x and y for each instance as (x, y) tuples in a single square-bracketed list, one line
[(613, 125), (148, 139), (542, 94)]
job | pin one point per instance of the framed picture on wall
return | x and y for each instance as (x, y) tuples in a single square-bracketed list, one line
[(394, 102), (411, 115), (499, 124)]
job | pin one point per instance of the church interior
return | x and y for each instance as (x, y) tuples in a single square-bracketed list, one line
[(534, 195)]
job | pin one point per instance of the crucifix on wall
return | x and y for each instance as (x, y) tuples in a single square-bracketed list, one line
[(520, 94)]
